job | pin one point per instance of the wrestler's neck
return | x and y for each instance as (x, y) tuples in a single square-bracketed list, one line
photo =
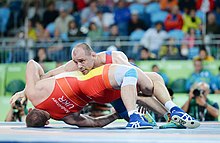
[(99, 60)]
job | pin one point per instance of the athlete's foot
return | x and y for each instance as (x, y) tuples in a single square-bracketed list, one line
[(136, 121), (179, 116)]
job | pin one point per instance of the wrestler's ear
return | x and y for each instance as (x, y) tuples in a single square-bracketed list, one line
[(93, 54)]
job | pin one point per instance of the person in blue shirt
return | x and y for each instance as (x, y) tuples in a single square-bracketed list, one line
[(156, 69), (217, 83), (200, 75)]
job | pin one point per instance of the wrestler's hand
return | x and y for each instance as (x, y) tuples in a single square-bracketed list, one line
[(142, 109), (19, 95)]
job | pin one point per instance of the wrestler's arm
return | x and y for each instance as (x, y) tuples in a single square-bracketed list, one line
[(82, 120), (120, 58), (69, 66)]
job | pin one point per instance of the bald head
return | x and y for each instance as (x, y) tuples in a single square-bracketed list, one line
[(83, 46), (84, 57)]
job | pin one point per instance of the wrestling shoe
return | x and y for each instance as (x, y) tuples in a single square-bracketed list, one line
[(136, 121), (170, 123), (148, 118), (179, 116)]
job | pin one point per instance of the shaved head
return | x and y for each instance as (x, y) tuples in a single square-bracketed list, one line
[(84, 57), (85, 47)]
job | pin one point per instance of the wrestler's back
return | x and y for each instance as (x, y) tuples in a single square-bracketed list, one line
[(42, 91)]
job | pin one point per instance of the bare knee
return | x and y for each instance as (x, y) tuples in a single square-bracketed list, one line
[(148, 88), (157, 78)]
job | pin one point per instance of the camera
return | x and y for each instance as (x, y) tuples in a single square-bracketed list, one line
[(18, 108), (198, 92)]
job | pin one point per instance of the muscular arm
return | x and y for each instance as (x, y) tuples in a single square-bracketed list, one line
[(81, 120), (212, 111), (69, 66), (120, 58)]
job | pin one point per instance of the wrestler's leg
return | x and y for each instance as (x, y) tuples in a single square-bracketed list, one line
[(160, 90), (153, 104), (177, 114), (126, 78), (147, 88)]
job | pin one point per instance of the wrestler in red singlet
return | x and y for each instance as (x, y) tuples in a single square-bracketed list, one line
[(73, 91)]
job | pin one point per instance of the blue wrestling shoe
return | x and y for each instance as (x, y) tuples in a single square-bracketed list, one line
[(136, 121), (179, 116)]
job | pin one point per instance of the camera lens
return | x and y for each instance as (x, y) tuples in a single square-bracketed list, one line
[(18, 103), (196, 92)]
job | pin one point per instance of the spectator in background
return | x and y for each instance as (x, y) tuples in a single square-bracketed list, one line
[(217, 14), (103, 19), (35, 10), (79, 4), (184, 51), (145, 54), (105, 5), (61, 22), (169, 50), (32, 34), (174, 20), (199, 105), (4, 17), (122, 16), (114, 33), (200, 75), (154, 37), (73, 30), (41, 56), (88, 12), (66, 4), (211, 26), (217, 82), (190, 37), (135, 23), (94, 32), (191, 21), (98, 19), (205, 5), (42, 34), (156, 69), (50, 14), (203, 55), (168, 4), (186, 5)]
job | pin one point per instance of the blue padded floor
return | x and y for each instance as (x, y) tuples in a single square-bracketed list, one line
[(208, 132)]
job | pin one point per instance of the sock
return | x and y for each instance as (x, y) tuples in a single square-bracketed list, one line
[(131, 112), (169, 105)]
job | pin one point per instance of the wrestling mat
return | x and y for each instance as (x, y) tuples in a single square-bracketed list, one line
[(208, 132)]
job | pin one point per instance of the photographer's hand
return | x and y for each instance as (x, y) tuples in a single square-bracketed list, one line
[(191, 95), (201, 100)]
